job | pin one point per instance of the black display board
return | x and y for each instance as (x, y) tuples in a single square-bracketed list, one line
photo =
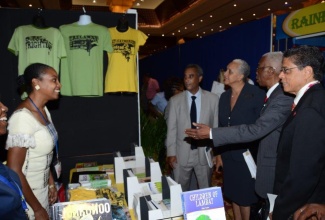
[(90, 129)]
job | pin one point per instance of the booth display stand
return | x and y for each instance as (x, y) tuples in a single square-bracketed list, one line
[(121, 163)]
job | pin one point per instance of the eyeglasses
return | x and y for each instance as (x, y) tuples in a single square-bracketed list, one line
[(264, 67), (286, 70)]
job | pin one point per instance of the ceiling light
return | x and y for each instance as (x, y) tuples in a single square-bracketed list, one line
[(30, 5), (230, 23), (211, 16), (241, 19), (286, 3), (142, 0), (179, 30), (201, 20), (269, 9), (162, 35), (203, 32), (173, 34), (235, 5), (197, 35), (211, 29), (220, 26), (254, 14), (185, 28), (138, 4), (192, 24), (94, 1), (181, 41)]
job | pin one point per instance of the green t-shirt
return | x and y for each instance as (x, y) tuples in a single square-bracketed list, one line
[(37, 45), (82, 70)]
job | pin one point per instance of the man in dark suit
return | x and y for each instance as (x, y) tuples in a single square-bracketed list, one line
[(267, 127), (183, 154), (300, 165)]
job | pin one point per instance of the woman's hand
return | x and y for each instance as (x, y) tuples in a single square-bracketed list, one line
[(218, 163), (53, 194)]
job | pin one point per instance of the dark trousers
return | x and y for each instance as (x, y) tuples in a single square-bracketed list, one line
[(260, 210)]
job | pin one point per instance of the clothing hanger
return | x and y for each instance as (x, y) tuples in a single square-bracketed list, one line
[(84, 19), (122, 24), (38, 20)]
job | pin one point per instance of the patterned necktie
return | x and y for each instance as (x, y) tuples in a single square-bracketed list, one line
[(193, 119)]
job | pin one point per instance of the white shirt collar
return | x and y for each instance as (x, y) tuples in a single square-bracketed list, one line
[(302, 91), (198, 94), (269, 92)]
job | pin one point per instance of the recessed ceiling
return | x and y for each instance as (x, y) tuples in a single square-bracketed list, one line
[(147, 4), (144, 4), (90, 2)]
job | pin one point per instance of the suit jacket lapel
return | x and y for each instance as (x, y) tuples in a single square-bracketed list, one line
[(245, 92), (275, 92), (204, 102), (301, 103), (187, 109), (310, 90)]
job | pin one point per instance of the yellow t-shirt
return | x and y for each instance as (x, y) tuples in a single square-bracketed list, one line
[(121, 75)]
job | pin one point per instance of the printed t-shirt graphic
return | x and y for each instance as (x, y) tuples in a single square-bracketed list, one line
[(121, 75), (37, 45), (82, 69)]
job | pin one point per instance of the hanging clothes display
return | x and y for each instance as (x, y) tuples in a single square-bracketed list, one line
[(121, 75), (82, 70), (37, 45)]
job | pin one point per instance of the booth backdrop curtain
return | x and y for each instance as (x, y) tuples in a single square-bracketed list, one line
[(90, 129), (248, 41)]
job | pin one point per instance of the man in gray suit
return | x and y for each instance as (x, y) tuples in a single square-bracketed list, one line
[(183, 153), (267, 127)]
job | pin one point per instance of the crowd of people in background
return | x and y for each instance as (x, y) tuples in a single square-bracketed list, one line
[(275, 134), (282, 127)]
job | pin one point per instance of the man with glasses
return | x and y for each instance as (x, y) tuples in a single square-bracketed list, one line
[(267, 127), (300, 165)]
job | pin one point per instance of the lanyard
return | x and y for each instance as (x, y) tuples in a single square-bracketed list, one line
[(50, 127), (17, 189)]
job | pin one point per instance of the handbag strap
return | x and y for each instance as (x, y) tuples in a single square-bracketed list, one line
[(17, 189)]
